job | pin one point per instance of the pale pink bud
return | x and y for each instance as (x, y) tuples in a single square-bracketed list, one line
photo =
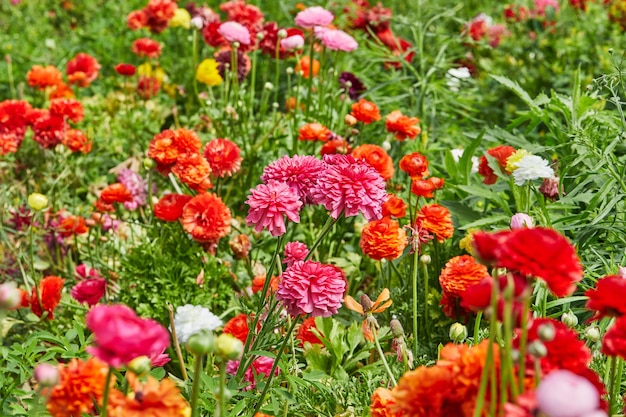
[(10, 296), (521, 220), (46, 375)]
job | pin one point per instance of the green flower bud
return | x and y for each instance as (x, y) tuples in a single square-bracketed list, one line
[(592, 333), (537, 349), (569, 319), (37, 201), (148, 163), (458, 332), (228, 347), (202, 343), (546, 332), (140, 365)]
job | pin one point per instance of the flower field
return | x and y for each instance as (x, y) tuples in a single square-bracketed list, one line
[(351, 208)]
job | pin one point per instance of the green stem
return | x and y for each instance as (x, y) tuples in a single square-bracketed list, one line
[(221, 411), (479, 317), (521, 370), (107, 386), (330, 222), (426, 290), (179, 353), (382, 356), (195, 389), (414, 301)]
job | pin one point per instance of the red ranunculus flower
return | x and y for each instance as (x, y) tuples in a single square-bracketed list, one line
[(501, 153), (47, 297), (170, 207), (607, 299)]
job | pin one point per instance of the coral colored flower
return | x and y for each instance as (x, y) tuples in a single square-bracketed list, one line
[(377, 157), (295, 252), (459, 274), (136, 19), (44, 77), (259, 282), (126, 70), (155, 16), (437, 220), (394, 207), (314, 16), (306, 69), (238, 327), (77, 141), (208, 73), (224, 157), (312, 288), (365, 111), (314, 131), (398, 46), (336, 40), (336, 146), (89, 291), (305, 332), (298, 172), (47, 296), (146, 48), (269, 203), (349, 186), (606, 299), (422, 392), (383, 239), (121, 336), (415, 165), (425, 188), (382, 402), (194, 170), (69, 108), (170, 207), (206, 218), (151, 398), (81, 385), (402, 126), (167, 146), (72, 225), (115, 193), (501, 154), (82, 70), (234, 32)]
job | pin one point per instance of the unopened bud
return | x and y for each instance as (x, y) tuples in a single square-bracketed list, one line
[(537, 349), (386, 145), (236, 45), (140, 365), (275, 105), (569, 319), (268, 86), (202, 343), (260, 36), (46, 375), (350, 120), (546, 332), (592, 333), (289, 70), (282, 34), (37, 201), (366, 303), (228, 347), (10, 296), (396, 328), (148, 163), (197, 22), (521, 220), (425, 259), (458, 332)]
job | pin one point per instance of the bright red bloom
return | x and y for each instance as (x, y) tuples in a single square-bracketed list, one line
[(415, 165), (365, 111), (270, 40), (501, 154), (211, 35), (238, 327), (614, 341), (206, 218), (425, 188), (305, 333), (77, 141), (82, 70), (224, 157), (170, 207), (49, 130), (126, 70), (115, 193), (336, 146), (437, 220), (398, 46), (394, 206), (148, 87), (72, 225), (49, 294), (402, 126), (607, 299), (156, 15), (67, 107), (146, 47), (377, 157)]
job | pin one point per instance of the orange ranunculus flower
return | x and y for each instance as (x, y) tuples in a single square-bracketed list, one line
[(382, 401), (76, 141), (383, 239), (82, 69), (170, 207), (415, 165), (151, 398), (305, 333), (72, 225), (167, 146), (365, 111), (61, 90), (377, 158), (262, 415), (194, 170), (43, 77), (290, 104), (460, 273), (402, 126), (115, 193), (437, 220), (307, 69), (237, 327), (336, 146), (259, 282), (314, 131), (423, 391), (47, 296), (425, 188), (394, 207), (81, 385), (206, 218)]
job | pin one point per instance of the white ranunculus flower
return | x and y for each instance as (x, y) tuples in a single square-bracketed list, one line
[(454, 77), (532, 167), (190, 319)]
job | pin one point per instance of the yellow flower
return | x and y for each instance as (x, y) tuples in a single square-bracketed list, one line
[(513, 160), (208, 74), (181, 19), (467, 243), (146, 69)]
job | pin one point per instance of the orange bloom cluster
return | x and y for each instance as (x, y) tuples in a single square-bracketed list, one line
[(307, 69), (426, 187), (402, 126), (155, 16), (146, 47), (365, 111), (333, 146), (151, 398), (82, 70), (382, 403), (383, 239), (49, 78), (460, 273), (305, 333), (206, 218), (437, 220), (47, 297), (415, 165), (224, 157), (259, 282), (170, 207), (80, 385), (72, 225), (377, 157), (314, 131), (76, 141), (115, 193), (394, 207)]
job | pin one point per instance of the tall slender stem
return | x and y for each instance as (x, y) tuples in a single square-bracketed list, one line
[(414, 301), (221, 411), (382, 356), (195, 388), (330, 222), (107, 387), (179, 353)]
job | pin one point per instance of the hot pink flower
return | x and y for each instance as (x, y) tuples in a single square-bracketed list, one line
[(261, 367), (299, 172), (292, 42), (268, 203), (336, 40), (348, 185), (314, 16), (89, 291), (564, 394), (159, 359), (121, 336), (294, 252), (312, 288), (235, 32)]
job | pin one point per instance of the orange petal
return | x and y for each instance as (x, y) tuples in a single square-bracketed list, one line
[(351, 304), (383, 307)]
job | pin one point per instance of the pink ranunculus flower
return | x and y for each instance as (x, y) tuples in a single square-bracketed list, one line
[(84, 272), (260, 368), (312, 288), (235, 32), (121, 336), (159, 359), (298, 172), (562, 393), (520, 220), (314, 16), (335, 40), (89, 291), (292, 42), (269, 203), (294, 252)]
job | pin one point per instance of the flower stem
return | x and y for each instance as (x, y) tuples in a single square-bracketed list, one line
[(221, 411), (382, 357), (426, 327), (330, 222), (105, 397), (179, 353), (479, 317), (522, 344), (414, 301), (195, 388)]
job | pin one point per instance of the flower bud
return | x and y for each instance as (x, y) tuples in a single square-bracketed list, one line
[(282, 34), (350, 120), (140, 365), (148, 163), (268, 86), (228, 347), (10, 296), (201, 343), (37, 201), (386, 145), (546, 332), (521, 220), (396, 328), (260, 36), (592, 333), (236, 45), (425, 259), (569, 319), (366, 303), (289, 70), (537, 349), (275, 105), (46, 375), (458, 332), (197, 22)]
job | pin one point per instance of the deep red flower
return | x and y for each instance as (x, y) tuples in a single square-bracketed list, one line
[(398, 46), (614, 341), (607, 299), (170, 207), (49, 130), (146, 47), (67, 107), (49, 294), (89, 291), (501, 153), (126, 70), (270, 40)]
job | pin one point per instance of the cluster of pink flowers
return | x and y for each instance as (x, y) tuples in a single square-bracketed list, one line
[(137, 186), (91, 286)]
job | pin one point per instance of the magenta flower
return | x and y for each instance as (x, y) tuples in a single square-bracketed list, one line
[(159, 359), (268, 203), (314, 16), (564, 394), (89, 291), (235, 32), (298, 172), (121, 336), (348, 185), (260, 368), (292, 42), (312, 288), (295, 252), (336, 40)]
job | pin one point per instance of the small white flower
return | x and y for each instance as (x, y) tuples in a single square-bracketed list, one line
[(532, 167), (190, 319), (454, 77)]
